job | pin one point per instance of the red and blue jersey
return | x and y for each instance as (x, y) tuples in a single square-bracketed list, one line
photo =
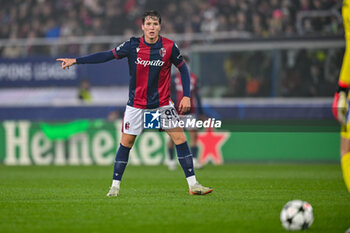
[(150, 70)]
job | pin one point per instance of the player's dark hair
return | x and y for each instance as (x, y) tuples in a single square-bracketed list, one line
[(151, 13)]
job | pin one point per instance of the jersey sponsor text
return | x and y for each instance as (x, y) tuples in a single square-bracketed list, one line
[(145, 63)]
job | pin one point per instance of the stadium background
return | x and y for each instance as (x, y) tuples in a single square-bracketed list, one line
[(267, 68)]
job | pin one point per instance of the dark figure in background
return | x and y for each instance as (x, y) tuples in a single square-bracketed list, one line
[(84, 91)]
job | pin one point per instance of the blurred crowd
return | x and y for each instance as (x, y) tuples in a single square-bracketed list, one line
[(310, 73), (65, 18), (290, 73), (248, 74), (253, 74)]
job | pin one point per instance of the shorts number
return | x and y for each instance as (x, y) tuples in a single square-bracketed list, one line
[(170, 113)]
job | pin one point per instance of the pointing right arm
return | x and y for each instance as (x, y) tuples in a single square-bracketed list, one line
[(117, 53), (89, 59)]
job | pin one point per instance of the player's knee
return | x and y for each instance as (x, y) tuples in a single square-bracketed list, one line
[(179, 138), (127, 140)]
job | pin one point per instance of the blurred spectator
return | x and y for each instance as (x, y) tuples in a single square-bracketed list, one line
[(222, 24), (12, 51), (275, 23), (210, 22), (258, 27), (84, 91), (52, 30), (113, 114), (242, 24)]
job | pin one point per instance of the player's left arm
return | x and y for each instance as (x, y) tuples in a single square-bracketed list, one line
[(185, 103), (178, 61)]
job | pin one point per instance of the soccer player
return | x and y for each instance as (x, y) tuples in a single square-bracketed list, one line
[(341, 99), (150, 58), (196, 111)]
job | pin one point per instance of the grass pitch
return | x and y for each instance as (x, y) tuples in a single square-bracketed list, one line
[(246, 198)]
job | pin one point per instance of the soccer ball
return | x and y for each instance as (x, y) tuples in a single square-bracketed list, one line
[(297, 215)]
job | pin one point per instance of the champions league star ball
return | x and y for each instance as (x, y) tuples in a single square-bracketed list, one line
[(297, 215)]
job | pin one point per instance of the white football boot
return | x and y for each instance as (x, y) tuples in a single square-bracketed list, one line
[(198, 189), (114, 191)]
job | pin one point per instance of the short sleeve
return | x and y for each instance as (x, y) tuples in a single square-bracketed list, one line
[(176, 57), (122, 50)]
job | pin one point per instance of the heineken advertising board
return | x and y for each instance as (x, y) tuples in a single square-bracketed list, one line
[(84, 142)]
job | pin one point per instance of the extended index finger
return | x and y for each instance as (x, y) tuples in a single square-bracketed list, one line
[(60, 59)]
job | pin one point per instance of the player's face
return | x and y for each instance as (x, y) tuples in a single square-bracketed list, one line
[(151, 28)]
